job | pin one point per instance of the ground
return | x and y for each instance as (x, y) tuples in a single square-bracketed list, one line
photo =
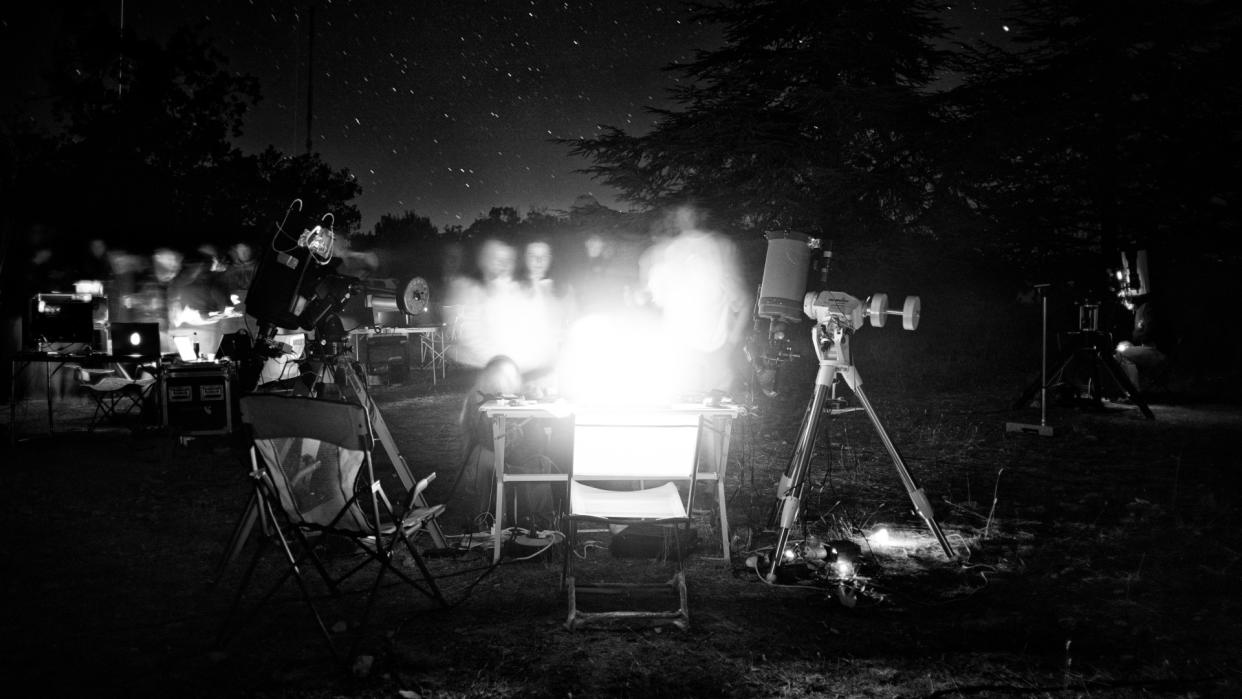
[(1101, 561)]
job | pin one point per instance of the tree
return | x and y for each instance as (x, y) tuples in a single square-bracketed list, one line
[(410, 243), (144, 132), (144, 125), (1112, 125), (810, 116)]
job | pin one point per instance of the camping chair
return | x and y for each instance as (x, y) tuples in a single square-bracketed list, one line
[(314, 482), (615, 451), (115, 397)]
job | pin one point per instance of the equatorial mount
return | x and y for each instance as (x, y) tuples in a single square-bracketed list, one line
[(837, 316)]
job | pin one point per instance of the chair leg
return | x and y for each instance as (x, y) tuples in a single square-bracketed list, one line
[(567, 573)]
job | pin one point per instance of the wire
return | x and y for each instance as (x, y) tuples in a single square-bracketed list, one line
[(280, 228)]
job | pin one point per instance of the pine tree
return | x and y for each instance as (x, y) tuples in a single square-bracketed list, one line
[(809, 116)]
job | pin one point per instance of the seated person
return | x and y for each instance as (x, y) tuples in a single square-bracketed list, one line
[(1141, 355), (1142, 352), (526, 446)]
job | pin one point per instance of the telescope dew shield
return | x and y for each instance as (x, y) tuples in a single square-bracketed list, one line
[(784, 275)]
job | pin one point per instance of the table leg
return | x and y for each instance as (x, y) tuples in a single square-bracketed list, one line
[(13, 402), (498, 474), (47, 381), (722, 465)]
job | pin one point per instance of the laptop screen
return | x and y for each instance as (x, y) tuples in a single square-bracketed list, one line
[(185, 348), (137, 340)]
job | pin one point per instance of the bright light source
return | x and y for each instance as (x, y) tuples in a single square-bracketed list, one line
[(135, 339), (634, 444), (617, 360), (845, 569), (880, 538)]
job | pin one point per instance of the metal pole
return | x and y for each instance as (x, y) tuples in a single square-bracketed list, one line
[(1043, 362)]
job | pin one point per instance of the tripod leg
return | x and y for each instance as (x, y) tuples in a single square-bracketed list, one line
[(921, 504), (792, 483), (775, 513), (241, 532), (380, 428), (1031, 390)]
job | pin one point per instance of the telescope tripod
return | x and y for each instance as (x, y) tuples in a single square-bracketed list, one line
[(357, 390), (1096, 354), (344, 374), (834, 361)]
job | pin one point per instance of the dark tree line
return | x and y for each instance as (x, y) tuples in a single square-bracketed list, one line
[(140, 151), (1103, 126), (1107, 125)]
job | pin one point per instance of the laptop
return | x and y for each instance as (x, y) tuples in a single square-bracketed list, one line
[(185, 348), (136, 340)]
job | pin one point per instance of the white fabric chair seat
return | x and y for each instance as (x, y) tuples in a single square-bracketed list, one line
[(661, 502)]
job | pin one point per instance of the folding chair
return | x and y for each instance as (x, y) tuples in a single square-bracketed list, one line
[(115, 397), (612, 452), (314, 482)]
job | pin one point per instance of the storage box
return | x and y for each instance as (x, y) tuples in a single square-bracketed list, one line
[(199, 399), (386, 357)]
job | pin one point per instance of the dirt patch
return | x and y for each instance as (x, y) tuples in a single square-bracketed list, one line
[(1102, 561)]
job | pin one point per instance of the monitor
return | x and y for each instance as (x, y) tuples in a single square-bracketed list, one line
[(136, 340), (65, 318)]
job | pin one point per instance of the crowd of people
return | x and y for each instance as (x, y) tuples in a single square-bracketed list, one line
[(567, 312), (198, 292), (676, 311), (647, 324)]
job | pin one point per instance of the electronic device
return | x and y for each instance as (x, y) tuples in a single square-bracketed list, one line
[(67, 318), (139, 341)]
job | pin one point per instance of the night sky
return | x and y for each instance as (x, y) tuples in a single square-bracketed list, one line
[(445, 108)]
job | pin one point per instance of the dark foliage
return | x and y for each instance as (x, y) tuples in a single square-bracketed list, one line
[(1110, 126), (806, 117), (142, 150)]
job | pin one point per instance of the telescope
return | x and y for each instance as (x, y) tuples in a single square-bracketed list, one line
[(783, 300), (294, 289), (836, 315)]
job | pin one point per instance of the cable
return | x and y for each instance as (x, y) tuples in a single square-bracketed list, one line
[(280, 228)]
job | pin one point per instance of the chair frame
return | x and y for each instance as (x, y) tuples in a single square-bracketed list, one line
[(680, 617), (296, 537), (110, 393)]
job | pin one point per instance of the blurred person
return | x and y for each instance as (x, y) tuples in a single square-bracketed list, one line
[(526, 446), (694, 278), (94, 265), (197, 301), (493, 310), (235, 281), (240, 273), (450, 288), (545, 314), (599, 284), (151, 301), (126, 269), (695, 281)]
